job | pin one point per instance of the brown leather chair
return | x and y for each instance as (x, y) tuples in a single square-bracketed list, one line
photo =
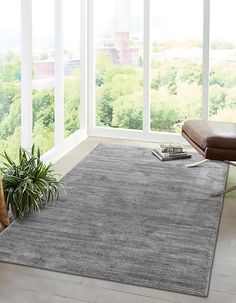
[(213, 140)]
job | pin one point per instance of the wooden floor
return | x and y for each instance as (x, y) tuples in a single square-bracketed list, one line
[(20, 284)]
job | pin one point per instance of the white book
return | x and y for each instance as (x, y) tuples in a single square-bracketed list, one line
[(170, 148)]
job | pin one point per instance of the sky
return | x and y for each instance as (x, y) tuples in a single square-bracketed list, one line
[(170, 20), (43, 24)]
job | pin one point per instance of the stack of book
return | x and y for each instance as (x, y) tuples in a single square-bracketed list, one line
[(170, 151)]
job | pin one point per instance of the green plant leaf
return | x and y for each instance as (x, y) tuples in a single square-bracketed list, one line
[(28, 184)]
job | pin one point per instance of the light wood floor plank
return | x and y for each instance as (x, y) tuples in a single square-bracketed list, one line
[(50, 286), (35, 272), (111, 296), (19, 295)]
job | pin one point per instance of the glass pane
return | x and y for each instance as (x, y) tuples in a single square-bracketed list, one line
[(119, 63), (43, 73), (176, 63), (223, 61), (71, 11), (10, 76)]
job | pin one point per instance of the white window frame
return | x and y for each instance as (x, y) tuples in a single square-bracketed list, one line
[(146, 134), (87, 81), (206, 60), (26, 73), (61, 145)]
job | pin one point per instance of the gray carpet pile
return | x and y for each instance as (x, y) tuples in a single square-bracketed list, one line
[(130, 218)]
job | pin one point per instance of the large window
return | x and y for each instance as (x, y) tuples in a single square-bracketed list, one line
[(223, 61), (146, 66), (10, 76), (176, 62), (48, 32), (43, 73), (71, 35), (171, 76), (119, 63)]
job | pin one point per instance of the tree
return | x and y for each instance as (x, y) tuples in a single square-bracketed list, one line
[(117, 81), (164, 118), (10, 67), (191, 73), (11, 121), (43, 107), (72, 102), (156, 83), (105, 108), (9, 93), (99, 80), (171, 81), (217, 98), (43, 118), (127, 112)]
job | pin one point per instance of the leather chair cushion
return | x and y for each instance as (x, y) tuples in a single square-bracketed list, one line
[(211, 134)]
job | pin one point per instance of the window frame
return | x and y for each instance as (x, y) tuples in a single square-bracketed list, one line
[(145, 134), (87, 80), (61, 145)]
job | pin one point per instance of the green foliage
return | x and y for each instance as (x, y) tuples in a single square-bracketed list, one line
[(191, 73), (117, 82), (43, 118), (43, 111), (217, 98), (223, 74), (9, 94), (171, 81), (11, 121), (176, 94), (156, 83), (10, 67), (99, 80), (72, 103), (43, 107), (127, 112), (104, 66), (164, 118), (28, 183), (104, 108)]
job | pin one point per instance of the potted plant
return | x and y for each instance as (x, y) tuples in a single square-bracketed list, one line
[(28, 183)]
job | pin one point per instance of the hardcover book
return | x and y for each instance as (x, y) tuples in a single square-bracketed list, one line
[(168, 157)]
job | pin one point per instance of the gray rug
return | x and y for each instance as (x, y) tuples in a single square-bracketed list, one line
[(129, 218)]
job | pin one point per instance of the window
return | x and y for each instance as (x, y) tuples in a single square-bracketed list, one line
[(146, 60), (176, 63), (43, 73), (119, 63), (10, 76), (71, 35), (223, 61)]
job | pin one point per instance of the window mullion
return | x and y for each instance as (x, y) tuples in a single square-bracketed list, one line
[(91, 68), (206, 59), (146, 67), (26, 73), (59, 75), (83, 64)]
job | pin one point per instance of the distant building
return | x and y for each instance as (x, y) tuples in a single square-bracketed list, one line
[(111, 52), (120, 51), (69, 65), (45, 69), (122, 47)]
